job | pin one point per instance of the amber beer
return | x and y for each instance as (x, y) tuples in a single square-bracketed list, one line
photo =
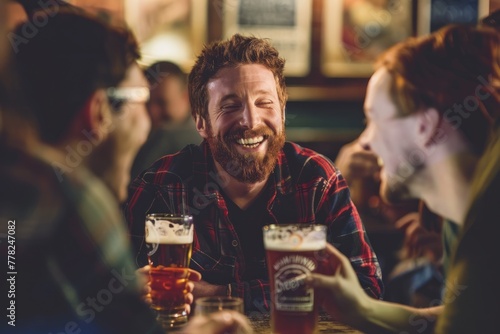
[(169, 241), (168, 283), (292, 252)]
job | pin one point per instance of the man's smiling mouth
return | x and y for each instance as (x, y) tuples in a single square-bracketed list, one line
[(251, 142)]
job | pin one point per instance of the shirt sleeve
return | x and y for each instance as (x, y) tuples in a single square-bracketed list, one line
[(347, 233)]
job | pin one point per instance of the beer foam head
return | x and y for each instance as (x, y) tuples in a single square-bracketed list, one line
[(295, 237), (167, 232)]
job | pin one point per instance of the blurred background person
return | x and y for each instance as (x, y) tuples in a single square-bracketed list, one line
[(169, 102), (172, 127)]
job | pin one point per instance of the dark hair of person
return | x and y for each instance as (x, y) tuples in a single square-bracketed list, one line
[(162, 69), (65, 62), (455, 70)]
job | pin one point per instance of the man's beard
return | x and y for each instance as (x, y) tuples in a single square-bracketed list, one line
[(246, 168)]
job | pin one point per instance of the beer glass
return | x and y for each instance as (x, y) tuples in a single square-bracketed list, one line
[(169, 241), (208, 305), (292, 251)]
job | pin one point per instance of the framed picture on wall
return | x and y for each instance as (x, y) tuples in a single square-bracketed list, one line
[(173, 30), (355, 32), (287, 23), (434, 14)]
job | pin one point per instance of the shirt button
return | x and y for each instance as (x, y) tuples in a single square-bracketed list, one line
[(234, 243)]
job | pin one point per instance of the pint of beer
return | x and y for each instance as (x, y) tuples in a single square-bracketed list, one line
[(293, 251), (169, 240)]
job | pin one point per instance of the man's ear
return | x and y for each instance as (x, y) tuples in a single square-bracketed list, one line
[(97, 115), (429, 126), (201, 126)]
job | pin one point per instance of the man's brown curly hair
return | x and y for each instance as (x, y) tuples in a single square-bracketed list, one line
[(237, 50)]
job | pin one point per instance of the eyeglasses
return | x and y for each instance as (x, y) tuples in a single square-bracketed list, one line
[(128, 94)]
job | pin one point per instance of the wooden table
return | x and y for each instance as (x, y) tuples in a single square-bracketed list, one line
[(261, 324)]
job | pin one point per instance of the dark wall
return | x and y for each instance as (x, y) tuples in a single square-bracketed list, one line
[(324, 126)]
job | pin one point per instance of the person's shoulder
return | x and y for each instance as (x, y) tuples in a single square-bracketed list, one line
[(306, 161), (87, 196), (45, 171), (29, 188), (43, 191), (179, 164)]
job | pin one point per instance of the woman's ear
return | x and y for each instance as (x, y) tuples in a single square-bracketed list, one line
[(201, 126), (428, 126)]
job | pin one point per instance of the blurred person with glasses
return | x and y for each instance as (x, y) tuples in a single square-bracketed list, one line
[(64, 169)]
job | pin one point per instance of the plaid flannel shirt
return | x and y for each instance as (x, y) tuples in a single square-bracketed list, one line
[(75, 271), (305, 187)]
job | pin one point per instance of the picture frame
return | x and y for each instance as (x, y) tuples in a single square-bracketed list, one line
[(287, 23), (433, 14), (354, 33), (174, 30)]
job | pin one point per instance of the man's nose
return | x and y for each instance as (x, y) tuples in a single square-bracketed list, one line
[(250, 117)]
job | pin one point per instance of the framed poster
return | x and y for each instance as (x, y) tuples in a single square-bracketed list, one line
[(355, 32), (172, 30), (287, 23), (434, 14)]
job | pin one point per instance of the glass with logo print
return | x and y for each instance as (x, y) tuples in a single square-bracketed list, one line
[(292, 251)]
